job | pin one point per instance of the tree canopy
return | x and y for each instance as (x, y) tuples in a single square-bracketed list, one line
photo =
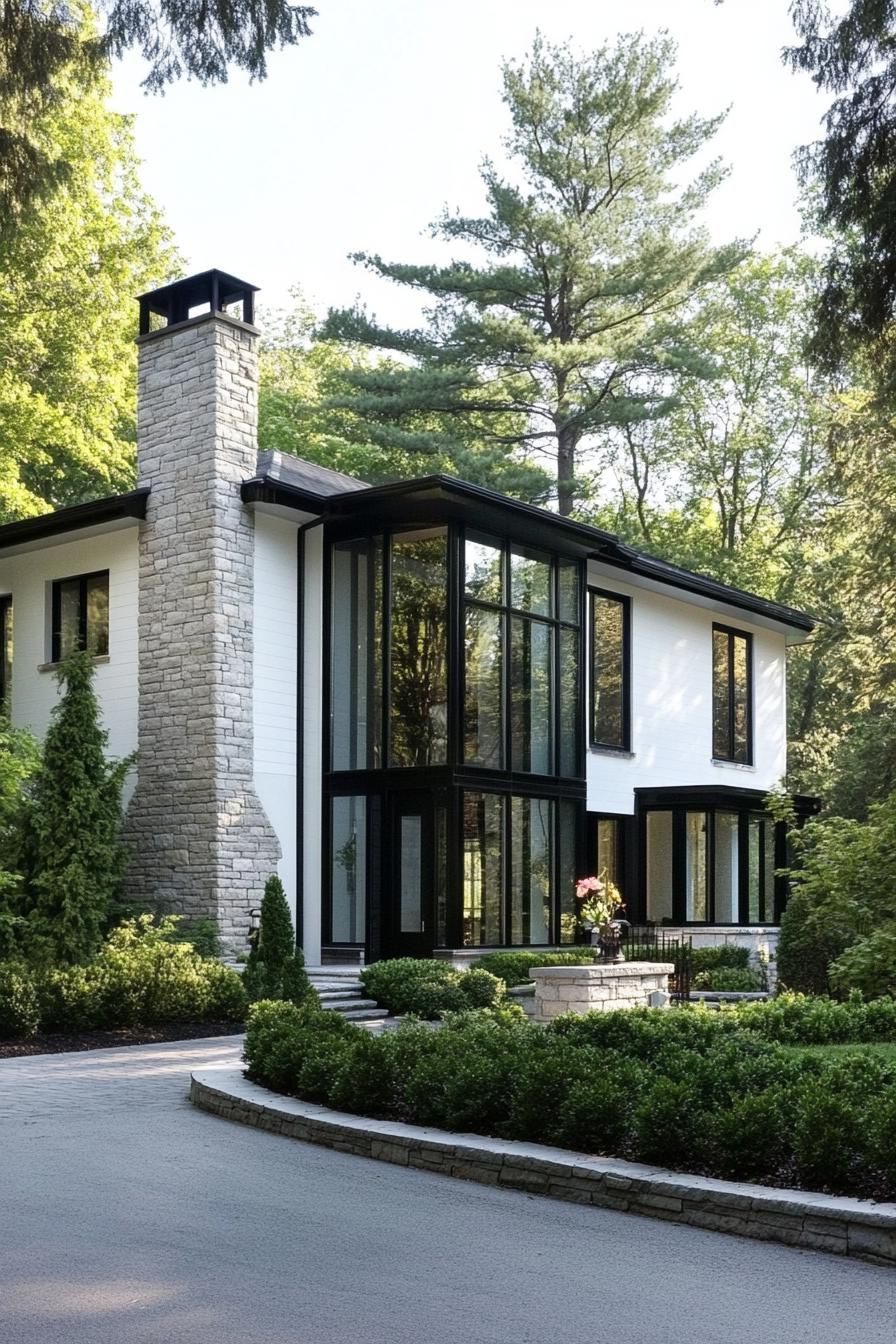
[(567, 303), (68, 275), (44, 40)]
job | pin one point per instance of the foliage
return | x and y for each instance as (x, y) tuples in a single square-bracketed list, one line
[(19, 759), (513, 967), (306, 407), (73, 858), (276, 967), (843, 892), (19, 1004), (851, 56), (68, 275), (575, 316), (731, 979), (200, 932), (428, 989), (140, 977), (43, 41), (687, 1088), (727, 956), (868, 966)]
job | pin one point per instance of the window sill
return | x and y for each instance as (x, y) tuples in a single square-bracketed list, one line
[(732, 765), (596, 749), (98, 660)]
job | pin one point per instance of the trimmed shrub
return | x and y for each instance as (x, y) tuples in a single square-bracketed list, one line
[(868, 966), (19, 1002), (513, 967), (429, 988), (727, 956), (731, 979), (276, 967)]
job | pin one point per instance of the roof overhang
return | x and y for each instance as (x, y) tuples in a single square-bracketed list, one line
[(86, 520)]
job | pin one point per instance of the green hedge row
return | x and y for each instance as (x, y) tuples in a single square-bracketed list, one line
[(688, 1090), (429, 988), (513, 967), (138, 979)]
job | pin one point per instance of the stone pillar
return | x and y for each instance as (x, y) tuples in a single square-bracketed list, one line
[(202, 842), (601, 988)]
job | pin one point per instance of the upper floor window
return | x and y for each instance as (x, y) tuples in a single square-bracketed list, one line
[(5, 647), (610, 630), (732, 695), (80, 615)]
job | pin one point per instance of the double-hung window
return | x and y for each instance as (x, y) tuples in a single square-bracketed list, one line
[(732, 695), (80, 612), (610, 638)]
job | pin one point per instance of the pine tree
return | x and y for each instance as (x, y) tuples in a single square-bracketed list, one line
[(74, 858), (276, 967), (575, 318)]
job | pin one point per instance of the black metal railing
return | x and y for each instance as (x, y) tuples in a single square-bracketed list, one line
[(654, 944)]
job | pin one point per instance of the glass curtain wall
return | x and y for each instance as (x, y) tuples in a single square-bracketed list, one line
[(348, 849), (709, 866), (356, 654), (418, 644)]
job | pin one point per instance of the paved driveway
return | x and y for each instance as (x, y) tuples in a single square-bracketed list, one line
[(127, 1217)]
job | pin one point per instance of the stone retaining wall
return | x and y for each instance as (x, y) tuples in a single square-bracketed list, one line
[(851, 1227), (600, 988)]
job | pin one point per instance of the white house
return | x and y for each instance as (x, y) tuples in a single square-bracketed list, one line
[(429, 706)]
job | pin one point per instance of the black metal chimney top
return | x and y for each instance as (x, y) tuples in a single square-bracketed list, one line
[(217, 289)]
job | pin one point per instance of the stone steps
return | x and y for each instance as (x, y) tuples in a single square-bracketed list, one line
[(340, 990)]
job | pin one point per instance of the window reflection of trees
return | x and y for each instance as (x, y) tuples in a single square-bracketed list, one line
[(419, 650)]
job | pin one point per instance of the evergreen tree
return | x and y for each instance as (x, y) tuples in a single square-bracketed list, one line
[(852, 169), (68, 275), (306, 407), (74, 859), (276, 967), (575, 317), (43, 40)]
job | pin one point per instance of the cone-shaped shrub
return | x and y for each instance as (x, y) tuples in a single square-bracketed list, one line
[(276, 967), (74, 859)]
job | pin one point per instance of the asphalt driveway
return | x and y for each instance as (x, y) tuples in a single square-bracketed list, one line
[(128, 1217)]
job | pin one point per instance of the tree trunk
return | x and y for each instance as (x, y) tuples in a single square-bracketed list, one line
[(567, 442)]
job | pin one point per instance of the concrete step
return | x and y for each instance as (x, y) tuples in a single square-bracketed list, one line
[(338, 991), (366, 1014), (347, 1005)]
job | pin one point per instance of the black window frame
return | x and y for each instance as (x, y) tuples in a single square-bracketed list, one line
[(5, 654), (626, 603), (730, 757), (56, 612)]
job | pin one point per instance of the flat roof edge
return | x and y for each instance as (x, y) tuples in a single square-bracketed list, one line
[(112, 509)]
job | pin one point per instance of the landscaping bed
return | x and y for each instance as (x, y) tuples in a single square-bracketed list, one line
[(715, 1094), (68, 1042)]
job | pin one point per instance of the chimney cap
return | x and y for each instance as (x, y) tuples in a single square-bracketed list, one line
[(215, 288)]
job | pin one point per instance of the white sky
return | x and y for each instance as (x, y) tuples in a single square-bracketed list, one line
[(364, 131)]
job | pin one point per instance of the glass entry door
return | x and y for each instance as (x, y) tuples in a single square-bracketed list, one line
[(411, 932)]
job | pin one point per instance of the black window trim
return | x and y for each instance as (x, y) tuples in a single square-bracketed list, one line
[(625, 746), (732, 632), (56, 610)]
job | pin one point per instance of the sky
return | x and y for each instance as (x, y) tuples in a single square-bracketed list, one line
[(363, 133)]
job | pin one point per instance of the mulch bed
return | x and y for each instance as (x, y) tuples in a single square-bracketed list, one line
[(103, 1040)]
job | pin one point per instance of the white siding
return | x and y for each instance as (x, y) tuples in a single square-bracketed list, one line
[(28, 577), (274, 685), (671, 694), (312, 814)]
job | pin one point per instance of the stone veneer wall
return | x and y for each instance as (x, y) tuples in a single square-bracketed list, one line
[(202, 842), (602, 988)]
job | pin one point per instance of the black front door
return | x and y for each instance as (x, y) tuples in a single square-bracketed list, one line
[(411, 905)]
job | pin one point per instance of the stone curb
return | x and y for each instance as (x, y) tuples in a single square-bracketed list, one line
[(854, 1227)]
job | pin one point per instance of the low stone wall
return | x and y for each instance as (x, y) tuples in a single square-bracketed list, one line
[(600, 988), (851, 1227)]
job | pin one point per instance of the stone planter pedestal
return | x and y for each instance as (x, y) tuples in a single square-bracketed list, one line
[(601, 988)]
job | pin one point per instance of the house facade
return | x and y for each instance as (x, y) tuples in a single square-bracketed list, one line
[(428, 706)]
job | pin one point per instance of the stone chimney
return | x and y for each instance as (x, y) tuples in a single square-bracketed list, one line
[(202, 844)]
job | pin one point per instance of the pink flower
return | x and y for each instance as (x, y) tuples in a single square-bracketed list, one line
[(585, 885)]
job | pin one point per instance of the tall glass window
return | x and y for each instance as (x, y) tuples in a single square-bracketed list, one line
[(696, 883), (732, 695), (727, 867), (659, 867), (531, 883), (610, 614), (356, 657), (608, 860), (521, 659), (567, 827), (418, 665), (483, 870), (348, 847)]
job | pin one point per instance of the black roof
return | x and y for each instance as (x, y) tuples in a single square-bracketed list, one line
[(448, 498), (72, 519)]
